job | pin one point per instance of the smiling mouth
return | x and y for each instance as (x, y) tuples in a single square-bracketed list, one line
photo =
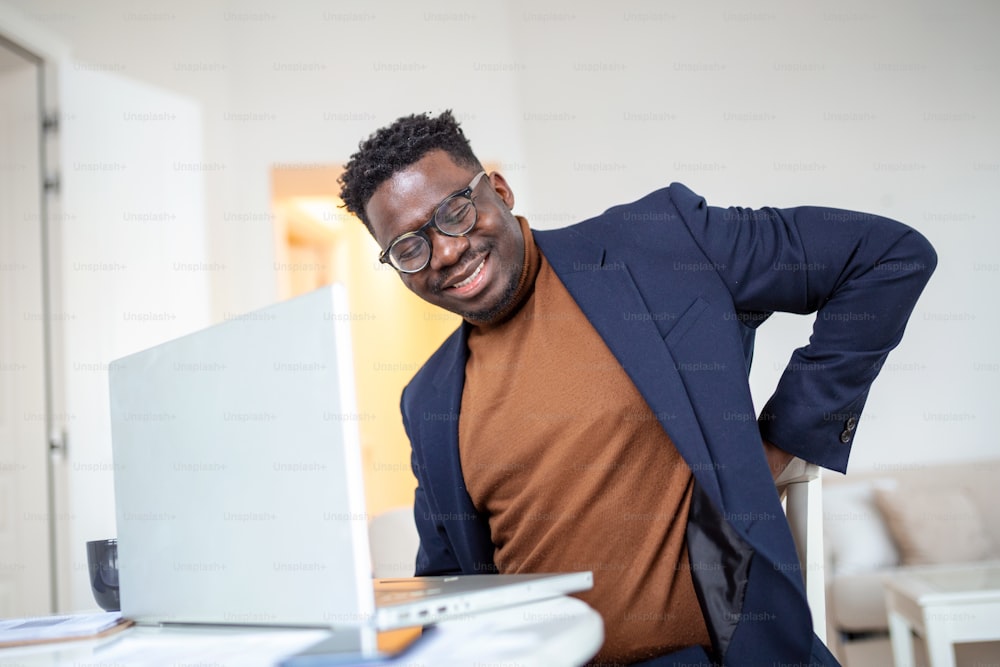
[(470, 279)]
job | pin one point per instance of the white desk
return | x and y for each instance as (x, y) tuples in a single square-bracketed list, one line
[(550, 633), (944, 605)]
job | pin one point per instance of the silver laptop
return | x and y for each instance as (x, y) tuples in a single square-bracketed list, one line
[(238, 484)]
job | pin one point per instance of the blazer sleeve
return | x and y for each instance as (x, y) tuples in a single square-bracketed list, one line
[(861, 274)]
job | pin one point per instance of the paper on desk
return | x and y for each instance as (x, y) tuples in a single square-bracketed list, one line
[(155, 647), (37, 629)]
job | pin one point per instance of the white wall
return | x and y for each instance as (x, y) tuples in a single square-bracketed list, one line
[(887, 107)]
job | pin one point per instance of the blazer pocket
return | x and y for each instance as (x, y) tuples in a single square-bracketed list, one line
[(685, 322)]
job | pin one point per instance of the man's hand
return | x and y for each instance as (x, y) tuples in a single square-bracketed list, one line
[(777, 459)]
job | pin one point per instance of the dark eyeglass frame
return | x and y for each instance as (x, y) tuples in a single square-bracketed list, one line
[(385, 257)]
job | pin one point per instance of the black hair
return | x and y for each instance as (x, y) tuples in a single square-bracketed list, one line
[(395, 147)]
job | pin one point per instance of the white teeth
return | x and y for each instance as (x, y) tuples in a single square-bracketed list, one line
[(470, 278)]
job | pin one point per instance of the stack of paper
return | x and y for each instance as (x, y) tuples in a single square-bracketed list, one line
[(43, 629)]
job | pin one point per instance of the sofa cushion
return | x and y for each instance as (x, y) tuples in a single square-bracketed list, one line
[(855, 534), (934, 525)]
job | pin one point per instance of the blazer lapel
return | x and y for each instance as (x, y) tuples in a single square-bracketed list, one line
[(441, 399)]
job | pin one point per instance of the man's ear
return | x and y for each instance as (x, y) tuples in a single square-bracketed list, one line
[(502, 188)]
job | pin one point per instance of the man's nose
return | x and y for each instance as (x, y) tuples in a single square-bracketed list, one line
[(447, 250)]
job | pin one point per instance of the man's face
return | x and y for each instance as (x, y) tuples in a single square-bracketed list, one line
[(475, 275)]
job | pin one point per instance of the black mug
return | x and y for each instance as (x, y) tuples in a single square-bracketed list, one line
[(102, 562)]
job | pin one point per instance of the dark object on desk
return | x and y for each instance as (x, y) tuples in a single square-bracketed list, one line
[(102, 562)]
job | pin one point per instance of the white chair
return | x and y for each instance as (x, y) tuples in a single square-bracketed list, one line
[(393, 541), (802, 484)]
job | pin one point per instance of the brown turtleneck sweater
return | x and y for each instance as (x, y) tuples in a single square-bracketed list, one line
[(562, 453)]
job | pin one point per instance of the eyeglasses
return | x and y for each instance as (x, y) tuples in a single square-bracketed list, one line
[(455, 216)]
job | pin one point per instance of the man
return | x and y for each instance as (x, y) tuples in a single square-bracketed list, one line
[(593, 410)]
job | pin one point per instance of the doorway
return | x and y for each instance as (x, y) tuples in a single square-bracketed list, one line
[(27, 523), (393, 331)]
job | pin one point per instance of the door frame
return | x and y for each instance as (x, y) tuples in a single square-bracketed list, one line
[(48, 54)]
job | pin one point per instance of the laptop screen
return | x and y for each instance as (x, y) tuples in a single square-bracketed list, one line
[(238, 484)]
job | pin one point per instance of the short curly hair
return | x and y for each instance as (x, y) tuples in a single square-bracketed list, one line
[(395, 147)]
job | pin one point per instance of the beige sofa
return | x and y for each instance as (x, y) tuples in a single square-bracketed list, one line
[(899, 515)]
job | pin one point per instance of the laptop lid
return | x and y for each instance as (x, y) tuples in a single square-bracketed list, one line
[(238, 492), (238, 485)]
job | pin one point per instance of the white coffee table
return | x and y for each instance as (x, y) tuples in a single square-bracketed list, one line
[(945, 605)]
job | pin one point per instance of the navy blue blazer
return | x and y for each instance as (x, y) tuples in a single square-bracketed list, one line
[(676, 288)]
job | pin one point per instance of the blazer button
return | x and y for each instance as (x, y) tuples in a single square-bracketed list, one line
[(851, 423), (845, 437)]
